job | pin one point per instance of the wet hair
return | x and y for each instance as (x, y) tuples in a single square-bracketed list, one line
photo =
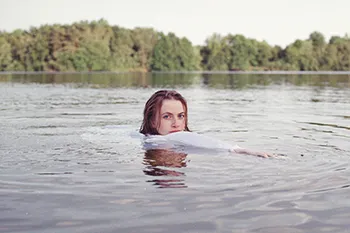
[(150, 123)]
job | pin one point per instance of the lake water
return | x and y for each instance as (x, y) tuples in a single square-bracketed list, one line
[(69, 164)]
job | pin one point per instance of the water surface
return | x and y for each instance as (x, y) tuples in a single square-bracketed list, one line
[(69, 164)]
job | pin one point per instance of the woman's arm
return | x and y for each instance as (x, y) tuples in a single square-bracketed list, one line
[(202, 141), (249, 152)]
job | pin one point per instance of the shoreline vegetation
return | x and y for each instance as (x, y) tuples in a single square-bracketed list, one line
[(283, 72), (97, 46)]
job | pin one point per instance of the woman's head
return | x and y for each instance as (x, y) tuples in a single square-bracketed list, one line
[(165, 112)]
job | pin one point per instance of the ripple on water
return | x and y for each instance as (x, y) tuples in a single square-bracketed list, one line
[(66, 167)]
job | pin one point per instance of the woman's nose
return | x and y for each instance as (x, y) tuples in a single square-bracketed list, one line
[(176, 122)]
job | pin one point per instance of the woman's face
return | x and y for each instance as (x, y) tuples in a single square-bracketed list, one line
[(172, 117)]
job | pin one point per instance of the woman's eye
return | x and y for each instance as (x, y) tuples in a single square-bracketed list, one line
[(182, 116), (166, 117)]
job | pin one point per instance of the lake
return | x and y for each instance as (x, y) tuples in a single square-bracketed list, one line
[(69, 162)]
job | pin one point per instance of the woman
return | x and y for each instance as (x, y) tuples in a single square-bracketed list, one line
[(165, 114)]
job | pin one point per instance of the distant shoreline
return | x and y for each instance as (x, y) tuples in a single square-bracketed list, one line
[(181, 72)]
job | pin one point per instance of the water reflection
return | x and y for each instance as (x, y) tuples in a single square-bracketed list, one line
[(158, 162), (211, 80)]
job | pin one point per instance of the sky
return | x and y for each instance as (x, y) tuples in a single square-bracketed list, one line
[(278, 22)]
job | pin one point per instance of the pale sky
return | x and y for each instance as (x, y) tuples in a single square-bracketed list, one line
[(279, 22)]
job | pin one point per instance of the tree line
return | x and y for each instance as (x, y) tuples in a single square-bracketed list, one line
[(98, 46)]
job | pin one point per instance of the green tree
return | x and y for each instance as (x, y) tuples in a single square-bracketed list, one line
[(243, 52), (299, 56), (5, 55), (121, 47), (337, 55), (215, 54), (264, 54), (319, 48), (144, 40), (39, 48), (317, 39), (172, 53)]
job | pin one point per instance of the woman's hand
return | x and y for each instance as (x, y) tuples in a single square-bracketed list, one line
[(255, 153), (264, 155)]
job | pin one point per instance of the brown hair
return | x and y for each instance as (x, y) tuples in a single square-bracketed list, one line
[(152, 109)]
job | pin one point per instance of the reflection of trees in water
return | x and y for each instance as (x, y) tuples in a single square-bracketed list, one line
[(158, 162), (212, 80), (238, 81)]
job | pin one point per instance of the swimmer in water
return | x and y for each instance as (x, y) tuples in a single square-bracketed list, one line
[(165, 113)]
